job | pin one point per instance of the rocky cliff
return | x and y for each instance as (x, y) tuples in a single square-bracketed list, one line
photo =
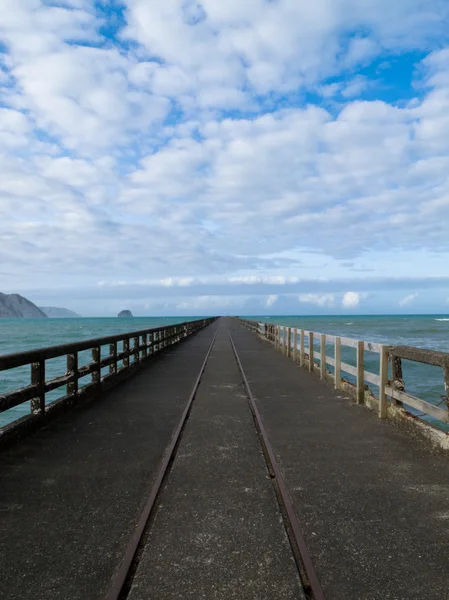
[(16, 306), (125, 313)]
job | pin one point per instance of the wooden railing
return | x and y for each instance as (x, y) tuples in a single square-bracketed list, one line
[(299, 345), (136, 348)]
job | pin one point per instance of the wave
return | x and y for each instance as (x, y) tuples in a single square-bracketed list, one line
[(349, 323), (441, 319)]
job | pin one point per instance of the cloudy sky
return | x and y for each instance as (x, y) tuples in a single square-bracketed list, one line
[(225, 156)]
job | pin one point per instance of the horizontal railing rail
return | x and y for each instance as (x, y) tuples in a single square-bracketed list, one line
[(300, 345), (137, 348)]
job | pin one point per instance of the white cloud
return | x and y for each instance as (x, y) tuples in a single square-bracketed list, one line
[(95, 184), (318, 299), (407, 299), (271, 300), (351, 300)]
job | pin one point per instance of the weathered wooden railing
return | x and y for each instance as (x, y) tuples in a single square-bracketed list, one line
[(145, 344), (299, 344)]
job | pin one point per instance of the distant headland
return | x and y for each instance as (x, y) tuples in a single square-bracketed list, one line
[(15, 306), (125, 313), (54, 312)]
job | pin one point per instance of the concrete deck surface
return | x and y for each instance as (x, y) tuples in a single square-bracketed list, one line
[(373, 501), (71, 494), (218, 532)]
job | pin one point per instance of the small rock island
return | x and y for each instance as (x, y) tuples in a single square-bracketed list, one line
[(125, 313)]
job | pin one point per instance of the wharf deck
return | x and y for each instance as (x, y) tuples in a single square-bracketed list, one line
[(371, 500)]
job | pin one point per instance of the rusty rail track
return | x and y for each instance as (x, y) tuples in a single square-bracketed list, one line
[(121, 579), (306, 568)]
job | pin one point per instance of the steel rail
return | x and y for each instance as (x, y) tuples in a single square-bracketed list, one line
[(121, 576), (305, 563)]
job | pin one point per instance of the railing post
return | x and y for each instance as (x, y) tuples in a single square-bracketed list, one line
[(383, 375), (276, 336), (446, 382), (295, 343), (311, 357), (301, 347), (397, 379), (323, 356), (289, 342), (72, 369), (96, 357), (136, 350), (284, 341), (113, 353), (145, 344), (337, 357), (360, 373), (38, 378), (126, 351)]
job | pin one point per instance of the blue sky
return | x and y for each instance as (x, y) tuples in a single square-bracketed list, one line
[(225, 157)]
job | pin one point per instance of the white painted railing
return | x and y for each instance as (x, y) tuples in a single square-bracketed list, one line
[(299, 344)]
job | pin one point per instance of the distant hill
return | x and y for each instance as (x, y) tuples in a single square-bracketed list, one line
[(16, 306), (55, 313), (125, 313)]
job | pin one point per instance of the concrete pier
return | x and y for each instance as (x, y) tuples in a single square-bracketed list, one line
[(371, 499)]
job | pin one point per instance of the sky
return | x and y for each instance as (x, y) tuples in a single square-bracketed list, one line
[(225, 157)]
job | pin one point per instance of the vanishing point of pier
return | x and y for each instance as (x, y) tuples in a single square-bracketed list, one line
[(197, 461)]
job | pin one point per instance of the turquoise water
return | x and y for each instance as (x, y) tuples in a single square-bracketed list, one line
[(425, 331), (18, 335), (422, 331)]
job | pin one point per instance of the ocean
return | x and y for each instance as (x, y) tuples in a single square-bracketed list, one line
[(424, 331), (18, 335)]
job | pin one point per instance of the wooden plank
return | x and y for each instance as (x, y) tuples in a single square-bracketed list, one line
[(330, 338), (96, 373), (289, 341), (311, 355), (284, 340), (323, 356), (301, 347), (18, 359), (383, 403), (57, 382), (16, 397), (372, 347), (372, 378), (330, 361), (126, 352), (422, 355), (348, 368), (38, 379), (295, 343), (113, 354), (72, 369), (421, 405), (349, 342), (136, 349), (360, 373), (337, 364), (317, 355)]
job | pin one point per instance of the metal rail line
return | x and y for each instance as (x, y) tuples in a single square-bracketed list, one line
[(301, 553), (120, 578)]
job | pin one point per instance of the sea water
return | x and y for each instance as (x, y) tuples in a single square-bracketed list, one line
[(18, 335), (423, 331)]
